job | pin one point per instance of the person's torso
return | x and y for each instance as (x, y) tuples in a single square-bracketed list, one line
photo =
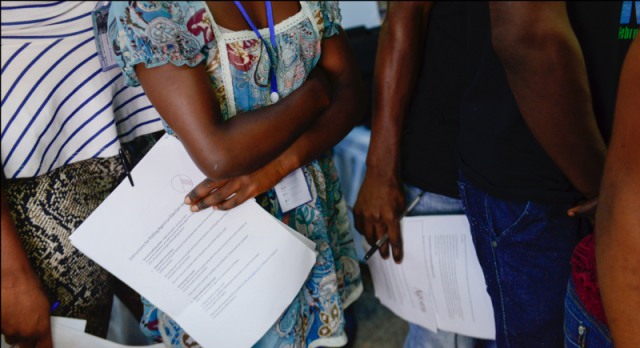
[(429, 138), (241, 76), (58, 105), (498, 152)]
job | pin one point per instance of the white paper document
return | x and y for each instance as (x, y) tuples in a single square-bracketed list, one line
[(69, 333), (224, 276), (439, 284)]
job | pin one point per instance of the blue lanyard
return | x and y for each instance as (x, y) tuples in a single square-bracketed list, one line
[(272, 70)]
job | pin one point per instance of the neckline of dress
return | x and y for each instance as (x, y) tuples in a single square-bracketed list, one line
[(233, 35)]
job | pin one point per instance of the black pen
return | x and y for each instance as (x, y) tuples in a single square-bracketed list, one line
[(126, 165), (385, 236)]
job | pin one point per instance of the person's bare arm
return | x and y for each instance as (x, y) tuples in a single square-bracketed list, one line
[(546, 71), (344, 112), (25, 307), (381, 198), (618, 216), (185, 98)]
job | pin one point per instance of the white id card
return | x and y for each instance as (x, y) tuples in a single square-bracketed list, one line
[(103, 44), (293, 191)]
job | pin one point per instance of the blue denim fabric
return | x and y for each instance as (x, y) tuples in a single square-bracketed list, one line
[(419, 337), (580, 328), (350, 157), (524, 249)]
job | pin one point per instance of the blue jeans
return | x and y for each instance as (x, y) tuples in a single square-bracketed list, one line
[(350, 156), (524, 249), (418, 337), (580, 329)]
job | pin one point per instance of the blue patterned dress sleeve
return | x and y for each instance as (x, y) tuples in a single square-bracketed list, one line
[(332, 18), (156, 33)]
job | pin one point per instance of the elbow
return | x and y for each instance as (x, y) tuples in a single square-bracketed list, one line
[(216, 165), (515, 46), (504, 42), (214, 169)]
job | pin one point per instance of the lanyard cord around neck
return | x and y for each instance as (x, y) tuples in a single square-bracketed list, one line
[(272, 37)]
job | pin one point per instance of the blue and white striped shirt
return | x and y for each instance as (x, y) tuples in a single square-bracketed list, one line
[(58, 106)]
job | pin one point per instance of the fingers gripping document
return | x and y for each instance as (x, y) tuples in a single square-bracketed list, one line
[(224, 276), (439, 284)]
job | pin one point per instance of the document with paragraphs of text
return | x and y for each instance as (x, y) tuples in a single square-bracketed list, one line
[(224, 276), (439, 284)]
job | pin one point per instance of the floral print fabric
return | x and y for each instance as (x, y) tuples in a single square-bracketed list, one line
[(184, 33)]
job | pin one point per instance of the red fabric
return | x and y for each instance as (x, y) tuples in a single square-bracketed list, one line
[(585, 278)]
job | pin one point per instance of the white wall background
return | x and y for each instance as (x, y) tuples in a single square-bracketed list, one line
[(358, 13)]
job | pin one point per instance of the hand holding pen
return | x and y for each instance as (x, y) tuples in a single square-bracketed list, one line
[(385, 236)]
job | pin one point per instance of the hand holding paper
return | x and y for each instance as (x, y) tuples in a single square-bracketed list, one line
[(204, 269), (439, 284)]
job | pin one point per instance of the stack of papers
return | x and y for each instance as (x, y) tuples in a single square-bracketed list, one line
[(439, 284), (224, 276)]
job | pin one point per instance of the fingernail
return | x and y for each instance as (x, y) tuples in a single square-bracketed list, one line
[(194, 208), (187, 200)]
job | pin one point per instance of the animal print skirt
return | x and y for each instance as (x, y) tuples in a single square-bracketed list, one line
[(46, 210)]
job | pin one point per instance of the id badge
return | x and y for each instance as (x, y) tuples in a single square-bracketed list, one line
[(293, 191), (100, 16)]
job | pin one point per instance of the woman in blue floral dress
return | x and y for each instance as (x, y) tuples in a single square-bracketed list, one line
[(219, 106)]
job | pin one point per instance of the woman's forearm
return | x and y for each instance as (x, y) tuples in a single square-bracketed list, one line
[(240, 145), (25, 307), (345, 111), (15, 264)]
